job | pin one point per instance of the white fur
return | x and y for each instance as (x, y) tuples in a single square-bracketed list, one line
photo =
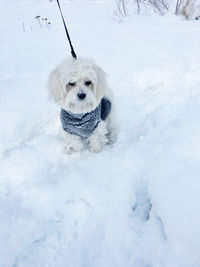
[(78, 71)]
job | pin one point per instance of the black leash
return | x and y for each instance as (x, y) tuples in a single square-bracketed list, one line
[(68, 37)]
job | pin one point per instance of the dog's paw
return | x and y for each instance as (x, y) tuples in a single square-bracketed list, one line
[(73, 147), (112, 138), (95, 146), (69, 149), (98, 138)]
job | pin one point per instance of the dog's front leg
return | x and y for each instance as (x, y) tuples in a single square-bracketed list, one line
[(99, 138), (73, 143)]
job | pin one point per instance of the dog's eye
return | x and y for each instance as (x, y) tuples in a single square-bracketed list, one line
[(87, 83), (72, 83)]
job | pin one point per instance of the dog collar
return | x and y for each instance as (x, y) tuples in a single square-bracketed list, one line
[(84, 124)]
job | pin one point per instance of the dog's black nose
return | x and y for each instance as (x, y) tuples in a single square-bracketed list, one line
[(81, 95)]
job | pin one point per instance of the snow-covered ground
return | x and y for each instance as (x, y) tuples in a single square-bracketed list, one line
[(135, 203)]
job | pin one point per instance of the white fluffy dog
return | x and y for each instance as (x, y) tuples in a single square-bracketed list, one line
[(87, 107)]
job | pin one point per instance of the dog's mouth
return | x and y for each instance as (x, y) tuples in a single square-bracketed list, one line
[(71, 105), (81, 106)]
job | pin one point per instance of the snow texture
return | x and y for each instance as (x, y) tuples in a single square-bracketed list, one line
[(137, 202)]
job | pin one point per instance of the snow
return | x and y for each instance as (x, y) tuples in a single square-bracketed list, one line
[(137, 202)]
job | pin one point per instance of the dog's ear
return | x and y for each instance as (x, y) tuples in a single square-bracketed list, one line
[(55, 86), (101, 81)]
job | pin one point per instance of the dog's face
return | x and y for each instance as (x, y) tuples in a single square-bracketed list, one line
[(80, 93), (77, 85)]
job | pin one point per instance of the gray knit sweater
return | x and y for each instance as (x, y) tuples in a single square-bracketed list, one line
[(82, 124)]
